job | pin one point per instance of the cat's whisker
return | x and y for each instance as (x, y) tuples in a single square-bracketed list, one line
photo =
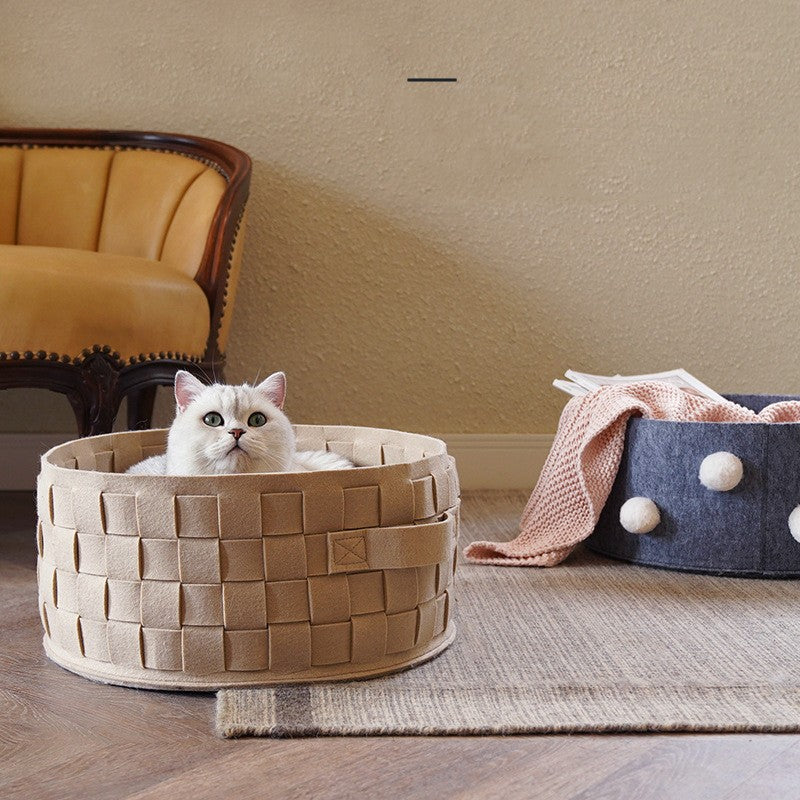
[(209, 379)]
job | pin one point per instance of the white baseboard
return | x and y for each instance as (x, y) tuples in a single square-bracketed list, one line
[(498, 461), (484, 460)]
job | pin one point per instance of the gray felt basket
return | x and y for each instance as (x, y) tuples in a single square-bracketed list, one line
[(742, 532)]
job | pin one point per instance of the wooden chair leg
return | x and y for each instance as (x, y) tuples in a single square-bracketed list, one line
[(140, 408), (97, 399), (81, 410), (93, 415)]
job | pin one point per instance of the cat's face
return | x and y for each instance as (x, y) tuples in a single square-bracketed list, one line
[(223, 429)]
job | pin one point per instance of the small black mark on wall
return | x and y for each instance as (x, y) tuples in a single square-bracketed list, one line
[(432, 80)]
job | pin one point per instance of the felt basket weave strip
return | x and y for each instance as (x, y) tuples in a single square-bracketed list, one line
[(209, 581)]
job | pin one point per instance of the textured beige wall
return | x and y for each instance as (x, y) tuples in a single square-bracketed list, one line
[(609, 186)]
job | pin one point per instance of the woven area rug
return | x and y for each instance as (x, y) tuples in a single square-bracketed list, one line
[(591, 645)]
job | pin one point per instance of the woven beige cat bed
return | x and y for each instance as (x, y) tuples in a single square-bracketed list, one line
[(234, 580)]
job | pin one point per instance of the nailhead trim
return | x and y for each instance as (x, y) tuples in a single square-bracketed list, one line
[(42, 355)]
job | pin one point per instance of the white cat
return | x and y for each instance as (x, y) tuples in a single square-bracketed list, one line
[(222, 429)]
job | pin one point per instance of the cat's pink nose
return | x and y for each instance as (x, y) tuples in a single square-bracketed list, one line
[(236, 433)]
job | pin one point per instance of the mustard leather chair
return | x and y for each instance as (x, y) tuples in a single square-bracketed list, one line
[(119, 259)]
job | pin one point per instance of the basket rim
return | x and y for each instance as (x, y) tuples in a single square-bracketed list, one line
[(152, 436), (736, 397)]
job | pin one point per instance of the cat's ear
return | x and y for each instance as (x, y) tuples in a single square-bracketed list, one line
[(187, 387), (274, 388)]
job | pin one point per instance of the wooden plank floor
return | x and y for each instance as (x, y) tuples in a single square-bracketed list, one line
[(65, 737)]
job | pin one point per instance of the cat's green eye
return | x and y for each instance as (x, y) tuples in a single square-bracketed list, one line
[(256, 420), (213, 419)]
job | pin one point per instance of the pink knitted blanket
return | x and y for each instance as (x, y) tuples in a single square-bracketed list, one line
[(580, 470)]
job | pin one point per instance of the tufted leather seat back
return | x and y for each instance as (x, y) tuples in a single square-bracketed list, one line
[(141, 203)]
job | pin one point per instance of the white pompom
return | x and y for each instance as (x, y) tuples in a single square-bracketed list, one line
[(794, 523), (721, 471), (639, 515)]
